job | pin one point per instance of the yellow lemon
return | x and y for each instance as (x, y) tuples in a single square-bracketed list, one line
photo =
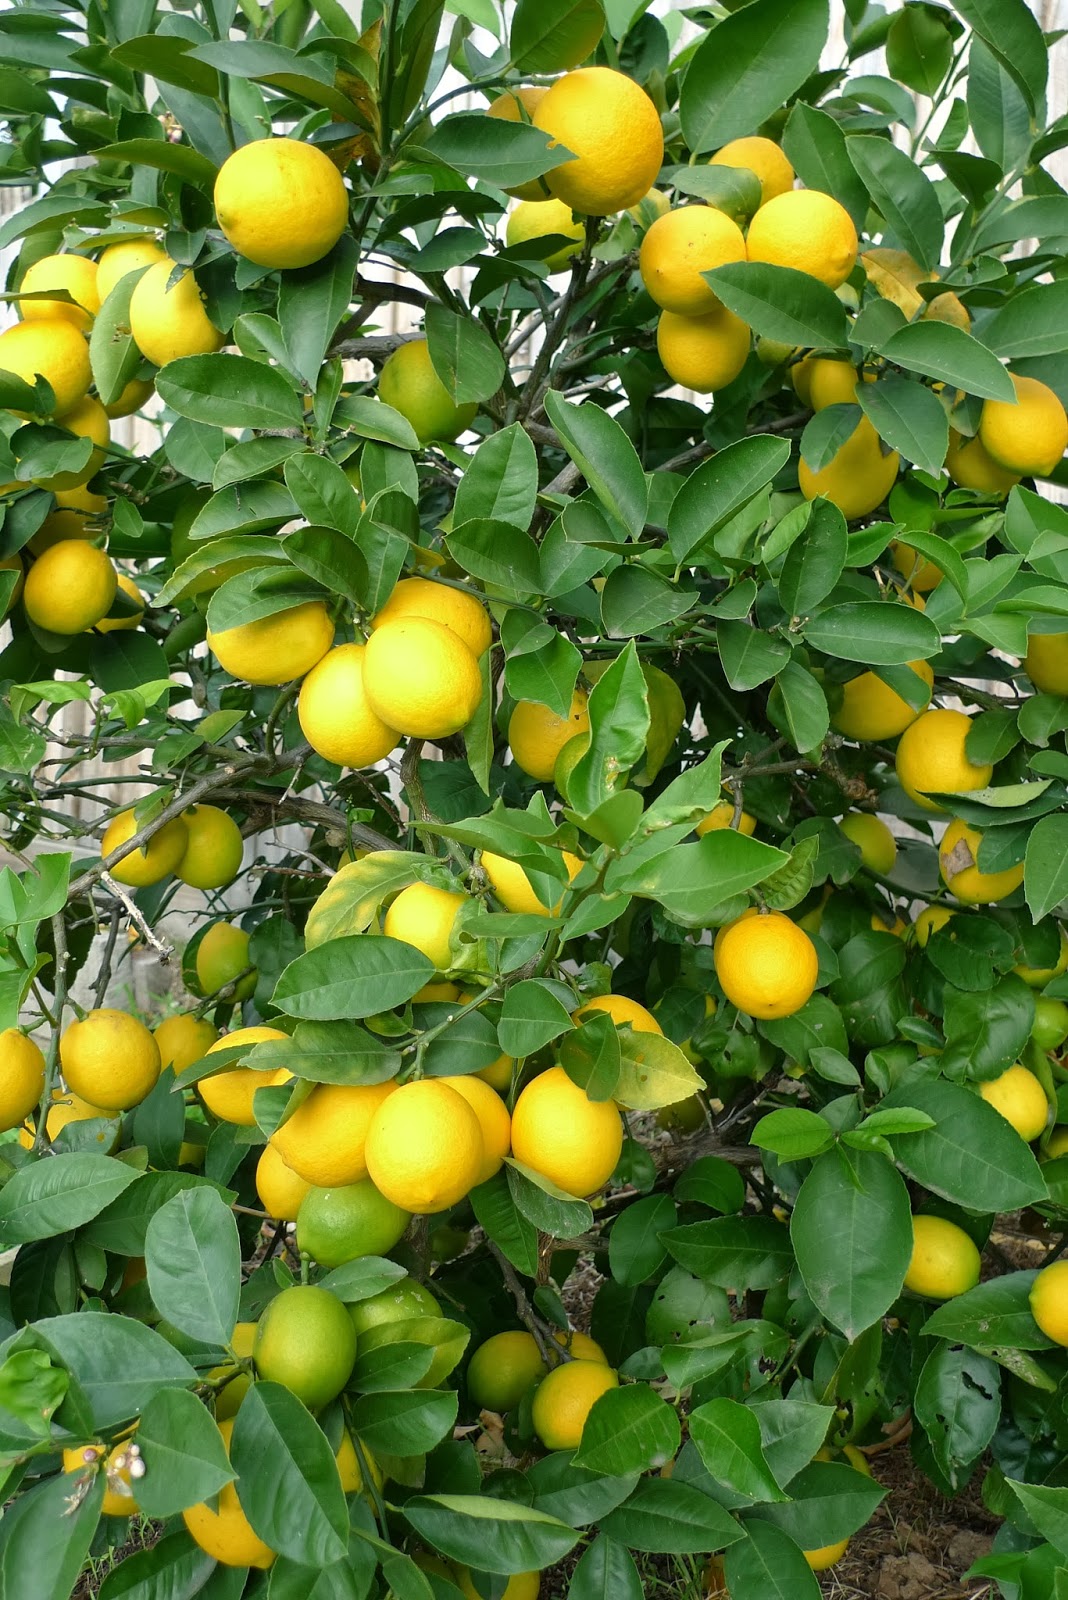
[(764, 158), (541, 219), (493, 1119), (828, 1555), (184, 1039), (129, 255), (1049, 1301), (225, 1533), (1057, 1144), (424, 1147), (958, 853), (564, 1399), (341, 1224), (152, 861), (971, 466), (168, 320), (277, 648), (86, 420), (878, 847), (703, 353), (944, 1262), (1028, 436), (118, 1498), (1038, 977), (831, 383), (77, 275), (54, 349), (858, 477), (612, 127), (921, 575), (523, 1586), (808, 231), (348, 1466), (130, 589), (536, 734), (69, 588), (228, 1399), (519, 105), (514, 889), (335, 716), (678, 248), (110, 1059), (1046, 662), (458, 609), (212, 856), (559, 1131), (502, 1370), (132, 398), (930, 919), (281, 202), (1020, 1098), (324, 1140), (420, 678), (622, 1010), (410, 385), (280, 1189), (22, 1077), (424, 916), (68, 1107), (59, 526), (229, 1095), (722, 816), (931, 758), (766, 964), (222, 954)]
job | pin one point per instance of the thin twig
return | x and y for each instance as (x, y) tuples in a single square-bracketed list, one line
[(104, 975), (161, 946), (551, 1353), (59, 995)]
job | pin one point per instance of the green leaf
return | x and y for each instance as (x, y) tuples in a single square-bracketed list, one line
[(798, 707), (323, 492), (769, 1566), (825, 434), (549, 35), (113, 355), (712, 1182), (531, 1017), (1034, 322), (404, 1422), (230, 391), (691, 880), (902, 193), (118, 1364), (167, 58), (463, 355), (605, 456), (504, 1223), (749, 657), (919, 48), (185, 1459), (181, 159), (44, 1541), (619, 722), (909, 417), (329, 558), (175, 1561), (500, 482), (748, 66), (52, 1196), (993, 1315), (548, 1208), (634, 602), (937, 350), (781, 303), (352, 977), (664, 1516), (629, 1430), (793, 1134), (1012, 32), (791, 1432), (579, 1498), (311, 303), (727, 1436), (653, 1073), (298, 1508), (193, 1256), (986, 1030), (490, 1534), (606, 1572), (876, 634), (635, 1251), (828, 1500), (497, 553), (1045, 866), (503, 153), (958, 1405), (1047, 1507), (733, 1252), (816, 147), (972, 1156), (718, 488), (362, 1278)]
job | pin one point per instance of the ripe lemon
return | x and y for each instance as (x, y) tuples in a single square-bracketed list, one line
[(610, 124), (152, 861), (764, 158), (519, 105), (129, 255), (305, 1340), (431, 992), (831, 383), (536, 735), (945, 1261), (338, 1225), (280, 1189), (1020, 1098), (541, 219), (458, 609), (229, 1095), (398, 1303), (323, 1141), (424, 916), (808, 231), (493, 1120), (348, 1466), (857, 478), (878, 847), (131, 398), (498, 1074), (1049, 1301), (281, 203), (1046, 662), (410, 385), (703, 353), (1038, 977), (921, 575), (523, 1586), (278, 648), (213, 850), (514, 889), (184, 1039), (766, 964), (564, 1399), (56, 350), (931, 757), (971, 466), (109, 1059), (77, 275), (129, 588), (228, 1400), (580, 1345), (559, 1131), (22, 1076), (828, 1555), (424, 1147), (69, 587), (722, 816), (334, 713), (1057, 1144), (118, 1498), (58, 526), (678, 248), (226, 1534), (86, 420), (622, 1010), (421, 678), (68, 1107), (221, 954), (958, 853), (930, 919), (168, 321), (502, 1370), (1029, 436)]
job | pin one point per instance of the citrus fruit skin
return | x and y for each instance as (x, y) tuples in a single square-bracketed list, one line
[(58, 526), (766, 965), (213, 850), (348, 1466), (278, 648), (228, 1400), (622, 1009), (540, 219), (221, 955), (502, 1370), (519, 105), (808, 231), (612, 127), (931, 757), (458, 609), (281, 203), (1030, 436), (120, 624), (921, 575), (870, 709), (229, 1095), (523, 1586), (580, 1346), (559, 1131), (68, 1107), (831, 383), (131, 398), (536, 735), (945, 1261), (971, 466), (86, 420), (420, 678), (704, 353), (226, 1534), (1038, 977), (678, 248), (183, 1039), (1050, 1027), (151, 862), (929, 921), (69, 587), (826, 1556), (1057, 1144), (129, 255), (1049, 1301), (118, 1498), (762, 157), (958, 852), (877, 845), (22, 1077), (280, 1189), (1021, 1100), (409, 383), (514, 889), (857, 478), (493, 1120), (170, 322), (323, 1141), (423, 916), (564, 1399), (54, 348), (722, 816), (109, 1059), (335, 716), (1046, 662), (305, 1340), (424, 1147), (398, 1303), (76, 274), (341, 1224)]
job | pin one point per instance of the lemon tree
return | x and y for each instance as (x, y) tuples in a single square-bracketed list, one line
[(569, 665)]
